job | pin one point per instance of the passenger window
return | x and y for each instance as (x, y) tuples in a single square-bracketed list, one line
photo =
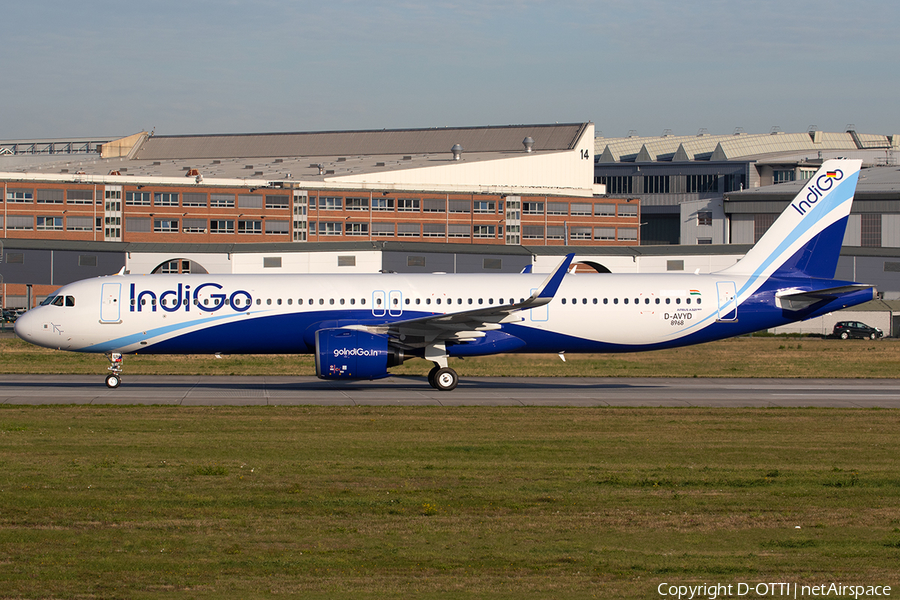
[(668, 301), (595, 301), (563, 300), (615, 300), (299, 301), (352, 301), (290, 301), (362, 301), (438, 300), (677, 300), (698, 300), (258, 301), (407, 302), (657, 300), (427, 300), (470, 301), (688, 301), (625, 300), (331, 301), (605, 301), (342, 301), (584, 300), (322, 301)]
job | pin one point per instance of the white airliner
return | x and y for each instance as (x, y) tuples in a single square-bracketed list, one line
[(358, 326)]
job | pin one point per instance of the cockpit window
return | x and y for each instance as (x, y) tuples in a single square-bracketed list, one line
[(58, 301), (70, 300), (48, 300)]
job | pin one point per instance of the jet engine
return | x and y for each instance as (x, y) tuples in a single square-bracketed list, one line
[(354, 354)]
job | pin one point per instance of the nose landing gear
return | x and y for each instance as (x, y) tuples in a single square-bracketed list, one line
[(115, 367)]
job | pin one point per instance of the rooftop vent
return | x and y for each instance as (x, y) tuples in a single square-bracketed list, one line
[(528, 143), (457, 151)]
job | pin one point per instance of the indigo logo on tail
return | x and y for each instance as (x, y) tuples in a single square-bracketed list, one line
[(817, 190)]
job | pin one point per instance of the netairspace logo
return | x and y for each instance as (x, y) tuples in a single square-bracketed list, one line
[(772, 590), (343, 352)]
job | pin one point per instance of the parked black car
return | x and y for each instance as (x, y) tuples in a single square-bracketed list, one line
[(9, 316), (855, 329)]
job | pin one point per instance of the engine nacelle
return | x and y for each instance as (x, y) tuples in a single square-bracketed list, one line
[(353, 354)]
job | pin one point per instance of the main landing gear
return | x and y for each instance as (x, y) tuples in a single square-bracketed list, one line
[(441, 377), (115, 367)]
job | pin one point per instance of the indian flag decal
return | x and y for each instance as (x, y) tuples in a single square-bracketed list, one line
[(695, 292)]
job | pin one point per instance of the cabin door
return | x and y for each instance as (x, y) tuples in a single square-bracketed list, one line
[(110, 301), (727, 301)]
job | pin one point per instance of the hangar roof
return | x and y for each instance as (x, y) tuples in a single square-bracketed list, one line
[(360, 143), (738, 146)]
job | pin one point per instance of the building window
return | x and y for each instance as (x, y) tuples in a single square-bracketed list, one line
[(602, 209), (704, 241), (49, 224), (617, 184), (165, 225), (20, 222), (870, 230), (277, 201), (79, 196), (408, 204), (271, 262), (356, 228), (656, 184), (331, 203), (533, 208), (556, 232), (50, 196), (580, 209), (604, 233), (434, 230), (221, 200), (357, 204), (346, 261), (674, 265), (492, 263), (415, 261), (460, 206), (437, 205), (222, 225), (276, 227), (251, 201), (15, 258), (485, 207), (87, 260), (135, 224), (383, 229), (782, 175), (165, 199), (698, 184), (249, 226), (485, 231), (579, 233), (408, 230), (761, 224), (704, 218), (734, 183), (382, 204), (627, 234), (459, 231), (79, 223), (137, 198), (627, 210), (533, 232), (189, 199), (191, 225), (330, 228), (557, 208), (20, 196)]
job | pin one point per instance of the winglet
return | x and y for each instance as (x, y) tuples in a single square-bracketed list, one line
[(553, 281)]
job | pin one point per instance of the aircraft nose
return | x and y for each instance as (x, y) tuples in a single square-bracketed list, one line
[(24, 326)]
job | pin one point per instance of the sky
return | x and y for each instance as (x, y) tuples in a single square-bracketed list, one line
[(83, 68)]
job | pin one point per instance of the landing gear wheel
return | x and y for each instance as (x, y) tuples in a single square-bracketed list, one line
[(113, 381), (445, 379), (431, 375)]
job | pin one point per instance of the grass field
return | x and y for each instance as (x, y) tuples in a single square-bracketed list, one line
[(362, 502), (738, 357)]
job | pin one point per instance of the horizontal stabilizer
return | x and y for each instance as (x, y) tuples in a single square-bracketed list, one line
[(801, 299)]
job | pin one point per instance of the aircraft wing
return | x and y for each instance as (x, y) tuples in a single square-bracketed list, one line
[(470, 324), (800, 299)]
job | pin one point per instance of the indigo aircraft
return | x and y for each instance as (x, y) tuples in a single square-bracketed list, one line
[(360, 325)]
